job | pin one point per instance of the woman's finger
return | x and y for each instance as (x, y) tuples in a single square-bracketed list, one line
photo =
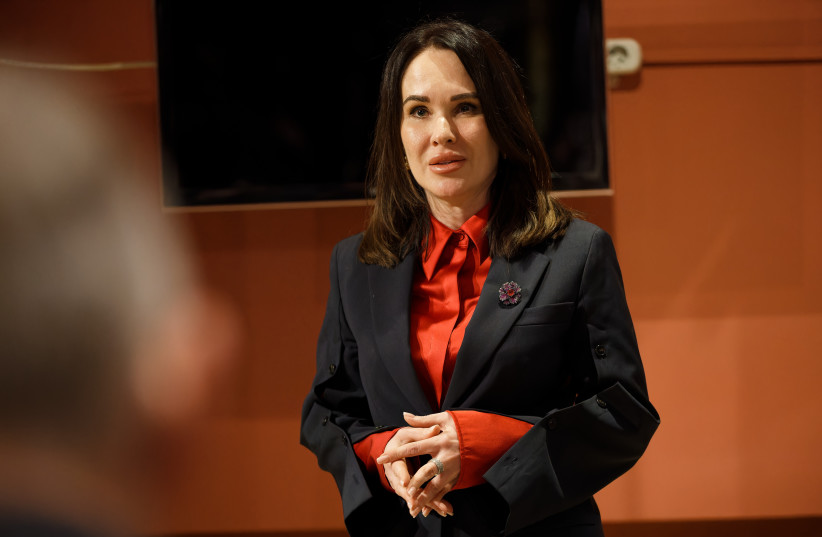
[(431, 495), (400, 470), (397, 475), (425, 421), (422, 498), (425, 474), (410, 434), (438, 504), (443, 507), (409, 442)]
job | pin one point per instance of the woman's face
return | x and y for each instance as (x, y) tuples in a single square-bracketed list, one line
[(447, 143)]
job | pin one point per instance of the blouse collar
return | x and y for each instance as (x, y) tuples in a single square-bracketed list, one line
[(439, 235)]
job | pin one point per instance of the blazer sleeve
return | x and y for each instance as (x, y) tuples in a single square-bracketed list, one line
[(573, 452), (335, 415)]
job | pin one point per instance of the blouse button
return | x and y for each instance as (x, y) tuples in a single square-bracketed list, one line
[(325, 420), (600, 351), (459, 238)]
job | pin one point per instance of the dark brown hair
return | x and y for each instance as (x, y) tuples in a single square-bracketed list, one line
[(523, 212)]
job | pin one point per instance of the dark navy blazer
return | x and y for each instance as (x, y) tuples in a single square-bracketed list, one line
[(564, 358)]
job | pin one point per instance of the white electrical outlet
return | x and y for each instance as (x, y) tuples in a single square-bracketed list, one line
[(623, 56)]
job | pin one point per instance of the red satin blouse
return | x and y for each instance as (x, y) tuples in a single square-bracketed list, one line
[(446, 288)]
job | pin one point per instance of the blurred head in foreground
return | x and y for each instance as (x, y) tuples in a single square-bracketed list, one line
[(106, 338)]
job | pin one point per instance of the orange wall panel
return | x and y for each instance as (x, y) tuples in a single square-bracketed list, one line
[(700, 31), (717, 179)]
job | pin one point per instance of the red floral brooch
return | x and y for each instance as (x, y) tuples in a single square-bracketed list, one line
[(510, 294)]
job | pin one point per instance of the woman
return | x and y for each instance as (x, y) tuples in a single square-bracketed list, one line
[(477, 364)]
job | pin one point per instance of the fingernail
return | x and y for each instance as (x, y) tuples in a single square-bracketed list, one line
[(408, 414), (411, 491), (425, 512)]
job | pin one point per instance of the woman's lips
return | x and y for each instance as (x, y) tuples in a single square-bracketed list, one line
[(446, 165)]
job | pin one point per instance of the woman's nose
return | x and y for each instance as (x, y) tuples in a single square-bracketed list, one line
[(444, 132)]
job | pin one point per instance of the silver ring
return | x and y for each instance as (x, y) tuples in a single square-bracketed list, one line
[(440, 467)]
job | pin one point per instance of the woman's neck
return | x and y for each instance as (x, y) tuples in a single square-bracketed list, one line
[(454, 216)]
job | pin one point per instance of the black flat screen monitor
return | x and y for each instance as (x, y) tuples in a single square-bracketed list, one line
[(275, 102)]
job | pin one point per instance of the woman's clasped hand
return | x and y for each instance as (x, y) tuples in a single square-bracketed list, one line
[(434, 435)]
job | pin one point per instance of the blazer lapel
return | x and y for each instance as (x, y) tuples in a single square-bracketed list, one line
[(390, 316), (491, 321)]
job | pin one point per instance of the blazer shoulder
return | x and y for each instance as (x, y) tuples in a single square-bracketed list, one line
[(347, 248), (578, 238), (582, 230)]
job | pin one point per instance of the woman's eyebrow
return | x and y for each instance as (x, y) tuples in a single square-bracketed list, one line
[(461, 96), (457, 97), (420, 98)]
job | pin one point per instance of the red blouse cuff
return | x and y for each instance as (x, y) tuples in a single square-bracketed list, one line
[(371, 447), (484, 438)]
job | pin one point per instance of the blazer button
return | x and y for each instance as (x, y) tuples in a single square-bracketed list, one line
[(552, 423), (325, 420), (601, 403), (600, 351), (344, 440), (332, 369)]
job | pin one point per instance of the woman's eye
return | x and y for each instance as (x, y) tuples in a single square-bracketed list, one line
[(467, 108), (419, 111)]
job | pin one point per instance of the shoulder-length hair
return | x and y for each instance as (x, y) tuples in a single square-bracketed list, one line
[(523, 212)]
